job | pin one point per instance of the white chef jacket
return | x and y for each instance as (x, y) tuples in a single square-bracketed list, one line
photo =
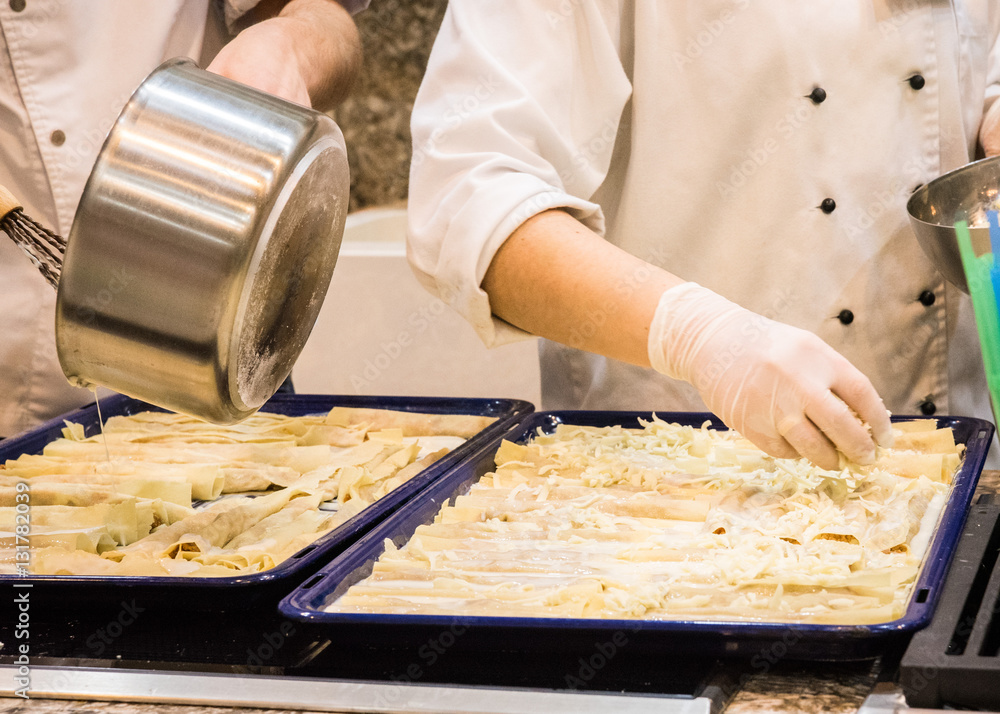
[(67, 67), (764, 149)]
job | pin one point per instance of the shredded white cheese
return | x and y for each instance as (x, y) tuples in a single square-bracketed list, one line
[(674, 522)]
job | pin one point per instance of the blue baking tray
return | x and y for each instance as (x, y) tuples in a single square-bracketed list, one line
[(225, 594), (763, 643)]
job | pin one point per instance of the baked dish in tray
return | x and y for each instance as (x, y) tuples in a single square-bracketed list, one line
[(672, 522), (160, 494)]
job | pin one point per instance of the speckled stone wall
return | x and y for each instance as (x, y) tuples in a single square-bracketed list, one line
[(397, 36)]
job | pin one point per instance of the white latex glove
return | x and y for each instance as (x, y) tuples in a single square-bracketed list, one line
[(782, 388)]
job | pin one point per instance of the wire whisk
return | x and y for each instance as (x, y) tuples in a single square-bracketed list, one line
[(43, 247)]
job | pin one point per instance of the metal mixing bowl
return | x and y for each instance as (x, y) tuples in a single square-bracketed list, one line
[(966, 193), (203, 245)]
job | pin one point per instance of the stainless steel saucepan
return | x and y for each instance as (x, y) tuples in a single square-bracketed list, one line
[(963, 194), (203, 245)]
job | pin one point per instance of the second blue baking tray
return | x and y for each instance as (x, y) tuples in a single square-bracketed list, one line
[(221, 595), (762, 643)]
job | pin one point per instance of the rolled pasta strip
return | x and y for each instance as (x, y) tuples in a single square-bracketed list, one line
[(261, 477), (300, 458), (332, 435), (57, 560), (262, 427), (395, 470), (267, 527), (357, 456), (370, 494), (914, 425), (238, 561), (205, 478), (296, 542), (322, 482), (216, 525), (45, 493), (644, 506), (901, 518), (175, 495), (116, 440), (933, 441), (94, 539), (410, 423), (386, 461), (910, 464), (124, 521)]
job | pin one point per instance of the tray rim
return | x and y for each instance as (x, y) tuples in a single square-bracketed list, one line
[(300, 604), (514, 411)]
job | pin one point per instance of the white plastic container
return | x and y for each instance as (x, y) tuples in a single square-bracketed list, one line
[(381, 333)]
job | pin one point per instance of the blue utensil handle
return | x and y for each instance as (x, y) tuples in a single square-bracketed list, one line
[(994, 221)]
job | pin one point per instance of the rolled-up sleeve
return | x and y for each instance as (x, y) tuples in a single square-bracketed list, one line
[(354, 6), (517, 114), (235, 9)]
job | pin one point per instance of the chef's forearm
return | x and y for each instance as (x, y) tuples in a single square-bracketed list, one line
[(557, 279), (328, 45), (306, 51)]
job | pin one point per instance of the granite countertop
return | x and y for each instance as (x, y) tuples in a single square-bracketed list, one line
[(51, 706), (785, 687), (837, 689)]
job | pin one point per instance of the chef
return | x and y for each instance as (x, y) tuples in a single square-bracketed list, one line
[(67, 68), (714, 189)]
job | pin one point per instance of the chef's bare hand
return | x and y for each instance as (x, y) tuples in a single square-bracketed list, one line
[(782, 388), (989, 132), (264, 57)]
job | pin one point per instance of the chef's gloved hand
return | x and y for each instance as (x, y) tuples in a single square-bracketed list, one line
[(782, 388)]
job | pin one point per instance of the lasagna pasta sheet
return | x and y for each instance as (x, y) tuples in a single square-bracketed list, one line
[(181, 497), (673, 522)]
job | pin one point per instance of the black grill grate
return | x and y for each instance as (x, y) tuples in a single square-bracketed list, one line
[(954, 661)]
